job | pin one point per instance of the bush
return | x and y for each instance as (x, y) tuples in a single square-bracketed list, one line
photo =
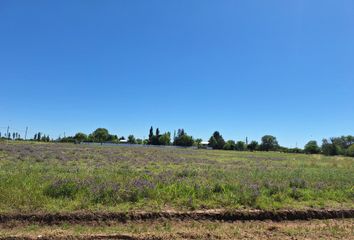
[(61, 189), (297, 183), (106, 193)]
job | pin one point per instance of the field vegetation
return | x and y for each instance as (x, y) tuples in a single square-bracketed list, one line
[(59, 177)]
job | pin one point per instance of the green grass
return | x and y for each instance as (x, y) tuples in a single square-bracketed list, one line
[(63, 177)]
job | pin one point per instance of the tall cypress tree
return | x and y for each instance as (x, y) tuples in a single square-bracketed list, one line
[(151, 134)]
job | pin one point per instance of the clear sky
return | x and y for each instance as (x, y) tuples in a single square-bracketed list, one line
[(245, 68)]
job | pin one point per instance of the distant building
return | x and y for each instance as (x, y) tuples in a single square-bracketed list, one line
[(205, 145), (123, 141)]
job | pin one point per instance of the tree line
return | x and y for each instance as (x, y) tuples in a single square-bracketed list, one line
[(10, 136), (343, 145)]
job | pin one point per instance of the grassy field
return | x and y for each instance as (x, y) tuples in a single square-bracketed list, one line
[(37, 177)]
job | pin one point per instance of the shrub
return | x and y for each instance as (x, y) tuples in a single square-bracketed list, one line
[(297, 183), (61, 189), (249, 195), (105, 193)]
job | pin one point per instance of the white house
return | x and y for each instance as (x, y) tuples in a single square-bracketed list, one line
[(205, 145)]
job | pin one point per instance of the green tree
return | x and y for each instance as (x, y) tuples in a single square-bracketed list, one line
[(269, 143), (212, 142), (312, 148), (218, 142), (44, 138), (198, 142), (39, 136), (151, 134), (350, 151), (155, 140), (230, 145), (100, 135), (131, 139), (240, 146), (112, 138), (165, 139), (80, 137), (252, 146), (329, 148), (342, 143), (139, 141), (182, 139)]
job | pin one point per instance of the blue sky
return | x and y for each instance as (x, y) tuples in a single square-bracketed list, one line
[(245, 68)]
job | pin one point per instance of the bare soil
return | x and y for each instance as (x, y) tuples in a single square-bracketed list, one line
[(213, 215), (210, 224)]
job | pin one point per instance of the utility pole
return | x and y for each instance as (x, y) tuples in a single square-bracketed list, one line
[(26, 133)]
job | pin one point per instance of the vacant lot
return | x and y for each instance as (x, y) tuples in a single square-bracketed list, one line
[(66, 177)]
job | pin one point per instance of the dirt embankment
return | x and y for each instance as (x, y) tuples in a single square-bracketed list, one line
[(211, 215)]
